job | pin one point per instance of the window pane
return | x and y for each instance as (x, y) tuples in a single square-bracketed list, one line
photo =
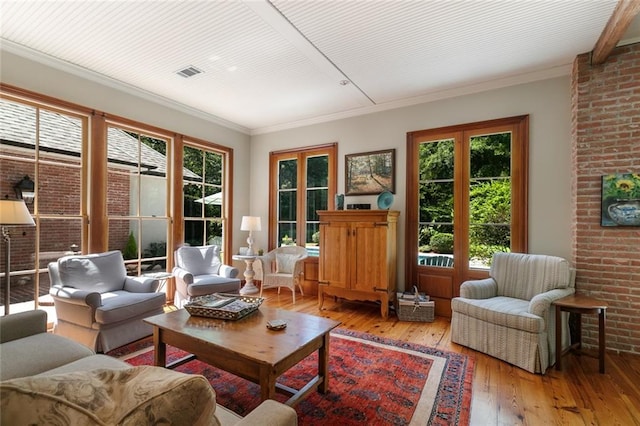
[(123, 173), (17, 125), (489, 197), (153, 244), (193, 162), (59, 185), (318, 172), (436, 208), (153, 179), (436, 160), (287, 205), (213, 202), (59, 176), (194, 232), (123, 236), (58, 237), (214, 232), (287, 234), (213, 167), (193, 200), (288, 174), (153, 196), (316, 200)]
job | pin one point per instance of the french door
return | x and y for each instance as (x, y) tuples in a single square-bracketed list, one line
[(466, 199)]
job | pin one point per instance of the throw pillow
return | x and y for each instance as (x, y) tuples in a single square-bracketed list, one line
[(285, 263), (133, 396)]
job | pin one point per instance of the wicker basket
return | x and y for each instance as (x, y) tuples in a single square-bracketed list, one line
[(201, 306), (409, 310)]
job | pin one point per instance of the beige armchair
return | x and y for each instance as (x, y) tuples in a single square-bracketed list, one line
[(199, 271), (98, 305), (281, 267), (509, 315)]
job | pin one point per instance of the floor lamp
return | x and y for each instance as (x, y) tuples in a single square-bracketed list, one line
[(12, 213)]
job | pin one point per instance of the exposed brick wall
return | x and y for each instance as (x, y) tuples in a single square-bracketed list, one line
[(606, 139)]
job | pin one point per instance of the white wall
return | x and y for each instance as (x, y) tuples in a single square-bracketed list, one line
[(547, 103), (48, 80)]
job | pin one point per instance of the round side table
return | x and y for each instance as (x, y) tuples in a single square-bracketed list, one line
[(580, 304), (249, 273)]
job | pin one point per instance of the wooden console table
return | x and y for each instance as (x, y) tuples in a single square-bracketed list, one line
[(579, 304)]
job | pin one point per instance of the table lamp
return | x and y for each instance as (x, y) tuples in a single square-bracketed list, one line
[(250, 223), (12, 213)]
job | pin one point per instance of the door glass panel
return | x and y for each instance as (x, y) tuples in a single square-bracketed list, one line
[(317, 199), (436, 202), (287, 201), (489, 197)]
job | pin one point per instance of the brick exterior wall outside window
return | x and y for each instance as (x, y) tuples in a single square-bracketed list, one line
[(606, 139), (58, 193)]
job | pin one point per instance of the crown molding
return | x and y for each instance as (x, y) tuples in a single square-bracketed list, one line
[(549, 73), (81, 72)]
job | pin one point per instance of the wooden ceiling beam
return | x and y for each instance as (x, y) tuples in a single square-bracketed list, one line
[(623, 15)]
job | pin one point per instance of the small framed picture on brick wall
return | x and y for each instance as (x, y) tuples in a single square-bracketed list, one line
[(620, 199)]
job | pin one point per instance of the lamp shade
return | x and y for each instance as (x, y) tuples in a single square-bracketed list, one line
[(250, 223), (15, 213)]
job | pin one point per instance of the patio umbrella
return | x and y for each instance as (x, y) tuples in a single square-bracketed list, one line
[(211, 199)]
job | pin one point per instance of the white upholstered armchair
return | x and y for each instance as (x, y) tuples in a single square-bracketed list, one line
[(281, 267), (199, 271), (509, 315), (98, 305)]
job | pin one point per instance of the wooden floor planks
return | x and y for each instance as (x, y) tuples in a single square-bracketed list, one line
[(504, 394)]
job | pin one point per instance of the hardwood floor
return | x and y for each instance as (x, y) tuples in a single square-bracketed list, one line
[(503, 394)]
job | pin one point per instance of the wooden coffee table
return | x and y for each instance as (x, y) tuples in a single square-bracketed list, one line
[(247, 348)]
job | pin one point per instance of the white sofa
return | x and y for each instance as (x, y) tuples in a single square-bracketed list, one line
[(49, 379), (509, 315)]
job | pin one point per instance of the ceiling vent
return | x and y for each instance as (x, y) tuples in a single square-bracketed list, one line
[(189, 71)]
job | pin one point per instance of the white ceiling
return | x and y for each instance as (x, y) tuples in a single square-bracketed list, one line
[(272, 65)]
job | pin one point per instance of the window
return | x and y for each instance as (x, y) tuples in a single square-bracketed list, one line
[(103, 182), (466, 197), (137, 197), (47, 145), (205, 204), (303, 182)]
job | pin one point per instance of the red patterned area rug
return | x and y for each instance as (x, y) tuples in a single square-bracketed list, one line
[(373, 381)]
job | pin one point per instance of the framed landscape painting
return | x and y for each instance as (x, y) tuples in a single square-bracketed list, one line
[(370, 173), (620, 199)]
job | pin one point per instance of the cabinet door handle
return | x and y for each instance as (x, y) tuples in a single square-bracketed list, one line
[(381, 224), (323, 282)]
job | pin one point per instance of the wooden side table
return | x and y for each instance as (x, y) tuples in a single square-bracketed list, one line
[(579, 304)]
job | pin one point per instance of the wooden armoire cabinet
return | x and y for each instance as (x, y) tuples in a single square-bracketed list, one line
[(358, 255)]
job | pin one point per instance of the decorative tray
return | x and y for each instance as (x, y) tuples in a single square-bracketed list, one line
[(223, 306)]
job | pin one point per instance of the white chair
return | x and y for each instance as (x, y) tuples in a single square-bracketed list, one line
[(281, 267), (199, 271), (509, 315), (98, 305)]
